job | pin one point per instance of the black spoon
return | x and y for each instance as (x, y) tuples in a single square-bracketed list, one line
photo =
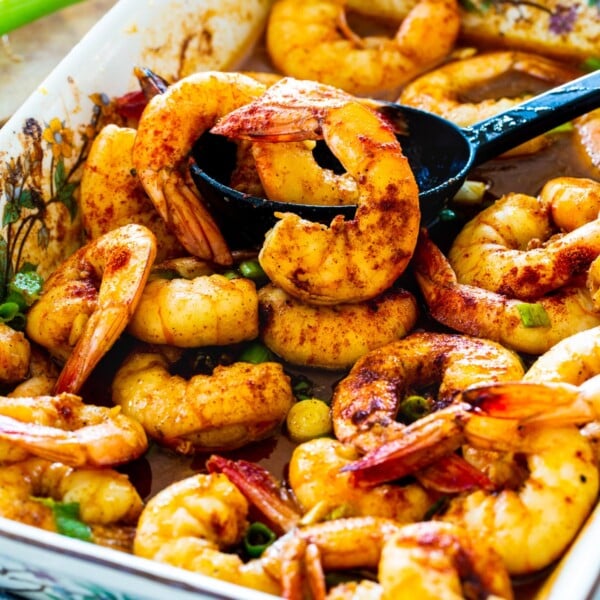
[(440, 153)]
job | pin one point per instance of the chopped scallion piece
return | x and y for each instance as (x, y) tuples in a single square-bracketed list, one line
[(252, 270), (67, 519), (256, 353), (412, 408), (533, 315), (257, 539), (471, 192)]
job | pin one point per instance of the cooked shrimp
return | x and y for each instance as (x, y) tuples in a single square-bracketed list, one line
[(529, 526), (442, 90), (111, 194), (435, 560), (509, 247), (366, 402), (311, 40), (168, 128), (236, 405), (588, 134), (41, 376), (572, 360), (428, 559), (192, 523), (205, 310), (474, 311), (89, 299), (104, 495), (289, 172), (353, 260), (574, 201), (333, 337), (15, 355), (322, 490), (63, 428)]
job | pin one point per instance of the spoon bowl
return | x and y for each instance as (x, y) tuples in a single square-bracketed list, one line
[(440, 154)]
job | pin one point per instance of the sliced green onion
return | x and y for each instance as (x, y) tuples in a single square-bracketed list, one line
[(257, 539), (16, 13), (471, 192), (256, 353), (302, 388), (67, 519), (339, 512), (231, 274), (26, 286), (252, 270), (564, 128), (437, 507), (412, 408), (447, 214), (591, 64), (533, 315)]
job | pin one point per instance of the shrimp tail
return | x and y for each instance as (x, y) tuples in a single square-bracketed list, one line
[(101, 331), (452, 474), (260, 489), (433, 438), (529, 402), (43, 441)]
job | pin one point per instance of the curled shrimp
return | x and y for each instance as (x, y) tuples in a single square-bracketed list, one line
[(514, 247), (104, 496), (311, 40), (333, 337), (169, 126), (235, 405), (111, 194), (442, 90), (15, 355), (529, 525), (425, 559), (63, 428), (87, 301), (351, 260), (193, 522), (366, 402), (474, 311), (204, 309), (322, 489)]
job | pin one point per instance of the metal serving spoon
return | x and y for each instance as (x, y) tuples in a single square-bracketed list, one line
[(440, 153)]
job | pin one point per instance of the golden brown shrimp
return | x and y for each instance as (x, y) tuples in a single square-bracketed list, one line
[(204, 310), (63, 428), (14, 356), (587, 129), (351, 260), (236, 405), (427, 559), (474, 311), (529, 526), (323, 490), (192, 523), (333, 337), (366, 402), (311, 40), (104, 495), (574, 201), (514, 247), (88, 301), (442, 90), (111, 194), (168, 128), (289, 172)]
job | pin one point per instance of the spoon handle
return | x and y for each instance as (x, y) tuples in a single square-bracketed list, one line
[(536, 116)]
